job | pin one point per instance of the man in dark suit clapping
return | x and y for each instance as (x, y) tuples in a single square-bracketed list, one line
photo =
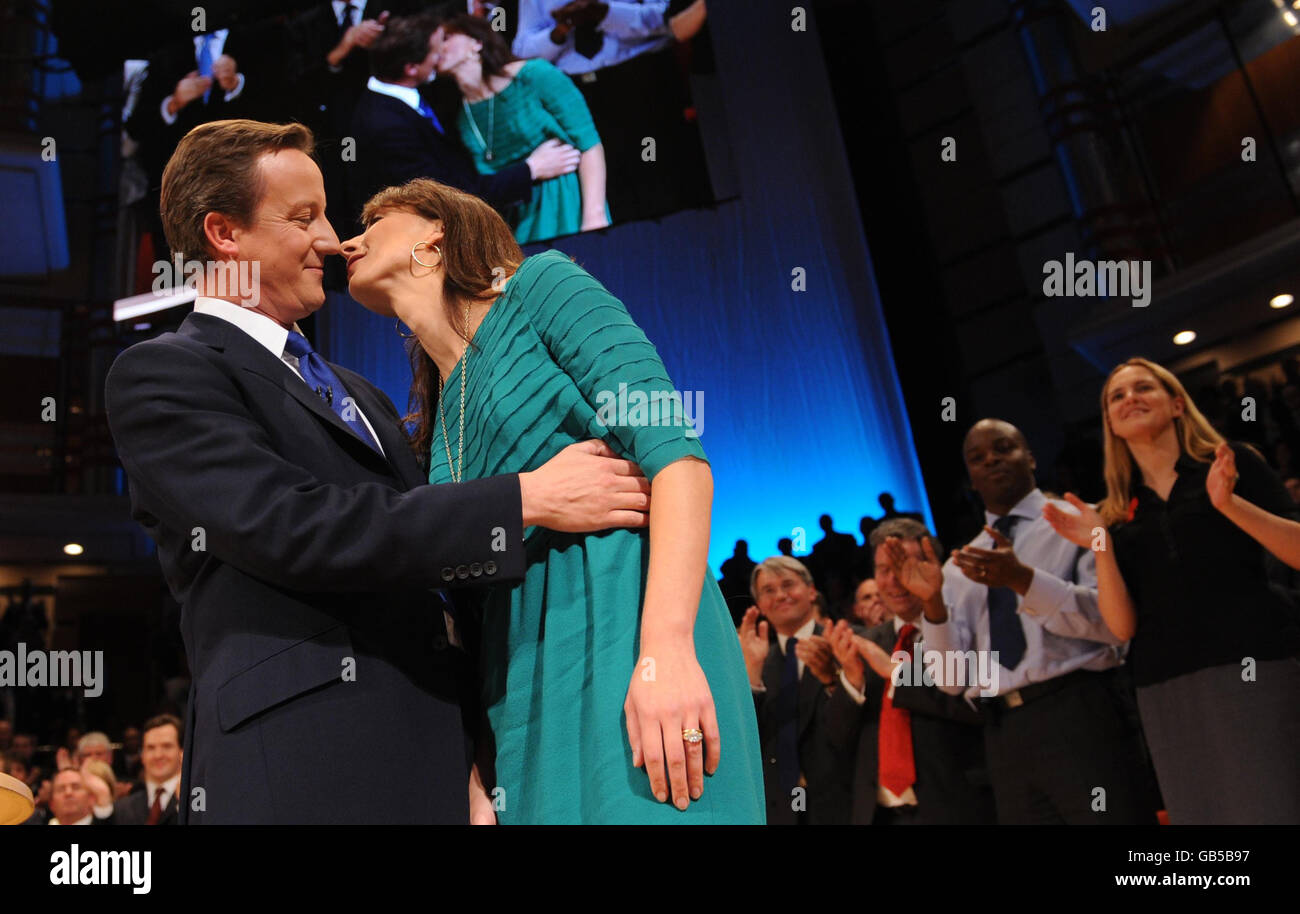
[(807, 723)]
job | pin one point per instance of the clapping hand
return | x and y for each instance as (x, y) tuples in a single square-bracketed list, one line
[(1079, 528), (226, 72), (841, 639), (923, 575), (815, 652), (1222, 478), (996, 567)]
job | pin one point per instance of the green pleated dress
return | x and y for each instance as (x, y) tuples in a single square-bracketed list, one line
[(539, 104), (560, 648)]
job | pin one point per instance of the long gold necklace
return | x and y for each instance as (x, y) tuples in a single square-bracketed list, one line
[(457, 472)]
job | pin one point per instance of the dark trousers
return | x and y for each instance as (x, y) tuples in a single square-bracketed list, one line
[(1071, 756)]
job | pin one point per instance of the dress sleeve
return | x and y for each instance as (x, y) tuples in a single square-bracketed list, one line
[(562, 100), (591, 336)]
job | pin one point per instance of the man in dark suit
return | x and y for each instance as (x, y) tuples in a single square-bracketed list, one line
[(399, 137), (293, 525), (157, 802), (807, 723), (919, 758)]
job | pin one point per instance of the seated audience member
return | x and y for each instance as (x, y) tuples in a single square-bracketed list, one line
[(1063, 722), (157, 803), (71, 802), (868, 607), (102, 784), (920, 755), (94, 745), (807, 723), (126, 764), (399, 137)]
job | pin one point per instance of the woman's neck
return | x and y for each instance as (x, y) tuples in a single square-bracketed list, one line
[(427, 316), (1156, 456), (474, 86)]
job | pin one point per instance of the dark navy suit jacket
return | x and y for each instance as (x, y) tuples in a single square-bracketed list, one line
[(324, 688), (395, 144)]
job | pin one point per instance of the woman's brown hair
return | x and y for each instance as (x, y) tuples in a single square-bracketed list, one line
[(1196, 438), (479, 252), (215, 170), (495, 54)]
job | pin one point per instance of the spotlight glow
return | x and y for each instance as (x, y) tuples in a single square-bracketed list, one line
[(1183, 337)]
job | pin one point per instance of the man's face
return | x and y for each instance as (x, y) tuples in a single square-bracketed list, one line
[(785, 599), (1001, 467), (23, 746), (161, 753), (289, 237), (6, 734), (898, 599), (97, 751), (70, 800), (131, 740), (868, 607), (20, 771)]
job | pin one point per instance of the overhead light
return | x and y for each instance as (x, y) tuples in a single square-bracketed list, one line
[(1281, 301), (1183, 337), (73, 549), (1289, 18)]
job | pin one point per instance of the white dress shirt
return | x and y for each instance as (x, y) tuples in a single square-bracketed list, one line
[(268, 334), (215, 48), (169, 789), (1063, 628), (406, 94), (805, 631)]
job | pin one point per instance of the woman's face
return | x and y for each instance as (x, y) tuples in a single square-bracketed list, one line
[(1138, 405), (453, 49), (379, 259)]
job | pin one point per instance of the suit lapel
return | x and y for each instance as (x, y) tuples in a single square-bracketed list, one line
[(254, 358), (396, 446)]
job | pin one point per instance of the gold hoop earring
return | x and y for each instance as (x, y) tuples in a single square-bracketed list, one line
[(415, 247)]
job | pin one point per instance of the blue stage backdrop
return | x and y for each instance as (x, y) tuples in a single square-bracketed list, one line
[(802, 411)]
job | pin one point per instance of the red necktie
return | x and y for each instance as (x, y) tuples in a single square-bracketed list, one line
[(897, 767), (155, 811)]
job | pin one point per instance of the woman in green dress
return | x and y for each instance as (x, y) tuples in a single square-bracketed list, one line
[(508, 108), (617, 651)]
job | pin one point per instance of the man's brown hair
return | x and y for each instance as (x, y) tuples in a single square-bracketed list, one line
[(164, 720), (215, 169)]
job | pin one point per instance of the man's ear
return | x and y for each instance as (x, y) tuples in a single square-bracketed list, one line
[(221, 231)]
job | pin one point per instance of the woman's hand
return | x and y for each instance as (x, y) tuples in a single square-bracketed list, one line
[(1222, 478), (1080, 529), (669, 694), (481, 810)]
